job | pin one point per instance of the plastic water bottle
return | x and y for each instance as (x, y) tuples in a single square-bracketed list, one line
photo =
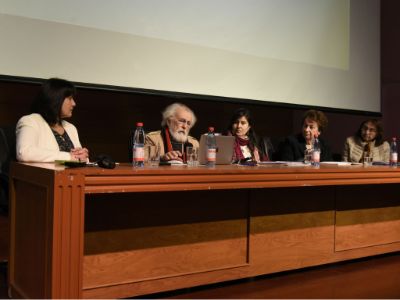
[(138, 146), (211, 147), (393, 153), (316, 153)]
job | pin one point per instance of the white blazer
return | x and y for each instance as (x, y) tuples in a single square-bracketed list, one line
[(36, 141)]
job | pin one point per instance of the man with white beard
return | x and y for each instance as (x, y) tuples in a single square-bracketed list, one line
[(173, 138)]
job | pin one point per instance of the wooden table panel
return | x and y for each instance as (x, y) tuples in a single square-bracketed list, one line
[(132, 231), (367, 216)]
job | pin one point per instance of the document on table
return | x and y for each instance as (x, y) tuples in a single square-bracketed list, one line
[(284, 163), (340, 163)]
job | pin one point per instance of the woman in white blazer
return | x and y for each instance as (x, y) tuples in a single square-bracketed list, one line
[(44, 135)]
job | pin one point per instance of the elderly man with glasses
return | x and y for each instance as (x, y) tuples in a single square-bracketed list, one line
[(173, 138)]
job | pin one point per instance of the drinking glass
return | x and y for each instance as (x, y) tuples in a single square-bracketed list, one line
[(152, 155), (308, 156), (192, 157), (367, 161)]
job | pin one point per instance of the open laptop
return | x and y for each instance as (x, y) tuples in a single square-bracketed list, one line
[(224, 149)]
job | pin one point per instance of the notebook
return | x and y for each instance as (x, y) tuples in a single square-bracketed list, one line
[(224, 149)]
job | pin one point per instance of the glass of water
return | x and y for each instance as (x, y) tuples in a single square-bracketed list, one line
[(152, 155), (308, 156), (367, 161), (192, 156)]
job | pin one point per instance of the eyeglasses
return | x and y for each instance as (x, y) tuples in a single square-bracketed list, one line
[(184, 122), (371, 129)]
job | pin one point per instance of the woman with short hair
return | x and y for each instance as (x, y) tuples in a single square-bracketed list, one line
[(314, 123)]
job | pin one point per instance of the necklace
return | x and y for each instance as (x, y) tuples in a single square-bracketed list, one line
[(58, 128)]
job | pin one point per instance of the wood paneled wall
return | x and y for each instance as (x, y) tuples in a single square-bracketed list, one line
[(105, 119), (390, 66)]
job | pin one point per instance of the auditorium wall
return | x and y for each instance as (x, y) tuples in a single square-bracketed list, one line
[(105, 118)]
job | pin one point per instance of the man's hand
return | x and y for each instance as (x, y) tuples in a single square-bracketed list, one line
[(172, 155)]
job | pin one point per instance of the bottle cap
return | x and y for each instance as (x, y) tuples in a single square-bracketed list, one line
[(139, 124), (210, 129)]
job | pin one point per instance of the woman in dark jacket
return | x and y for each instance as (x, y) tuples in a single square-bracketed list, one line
[(314, 123)]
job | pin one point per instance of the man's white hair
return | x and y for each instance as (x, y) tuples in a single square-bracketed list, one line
[(170, 111)]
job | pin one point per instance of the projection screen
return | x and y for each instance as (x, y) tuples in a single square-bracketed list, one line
[(308, 52)]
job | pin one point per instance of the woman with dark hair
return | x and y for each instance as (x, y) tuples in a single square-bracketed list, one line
[(314, 123), (44, 135), (247, 145), (368, 140)]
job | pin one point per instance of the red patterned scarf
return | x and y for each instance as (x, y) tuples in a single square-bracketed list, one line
[(238, 155)]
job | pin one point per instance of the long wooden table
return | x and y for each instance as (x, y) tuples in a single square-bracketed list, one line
[(96, 233)]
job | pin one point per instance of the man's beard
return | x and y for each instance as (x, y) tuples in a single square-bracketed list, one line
[(179, 136)]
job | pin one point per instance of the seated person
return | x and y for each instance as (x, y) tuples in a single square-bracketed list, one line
[(173, 138), (247, 144), (313, 124), (368, 139), (44, 135)]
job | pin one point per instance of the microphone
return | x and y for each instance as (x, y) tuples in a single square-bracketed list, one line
[(105, 161)]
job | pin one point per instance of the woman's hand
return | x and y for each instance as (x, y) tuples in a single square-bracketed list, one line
[(81, 154)]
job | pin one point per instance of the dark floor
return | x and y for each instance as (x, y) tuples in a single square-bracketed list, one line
[(3, 280), (372, 278)]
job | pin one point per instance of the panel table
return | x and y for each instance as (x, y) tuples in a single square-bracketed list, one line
[(96, 233)]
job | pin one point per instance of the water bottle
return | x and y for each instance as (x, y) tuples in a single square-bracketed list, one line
[(393, 153), (211, 147), (316, 153), (138, 146)]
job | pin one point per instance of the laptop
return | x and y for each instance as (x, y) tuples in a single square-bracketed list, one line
[(224, 149)]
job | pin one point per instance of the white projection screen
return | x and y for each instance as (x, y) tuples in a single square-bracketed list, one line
[(322, 53)]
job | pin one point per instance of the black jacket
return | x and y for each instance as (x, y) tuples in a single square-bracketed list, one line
[(292, 149)]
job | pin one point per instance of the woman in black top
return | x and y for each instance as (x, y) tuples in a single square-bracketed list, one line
[(314, 123)]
